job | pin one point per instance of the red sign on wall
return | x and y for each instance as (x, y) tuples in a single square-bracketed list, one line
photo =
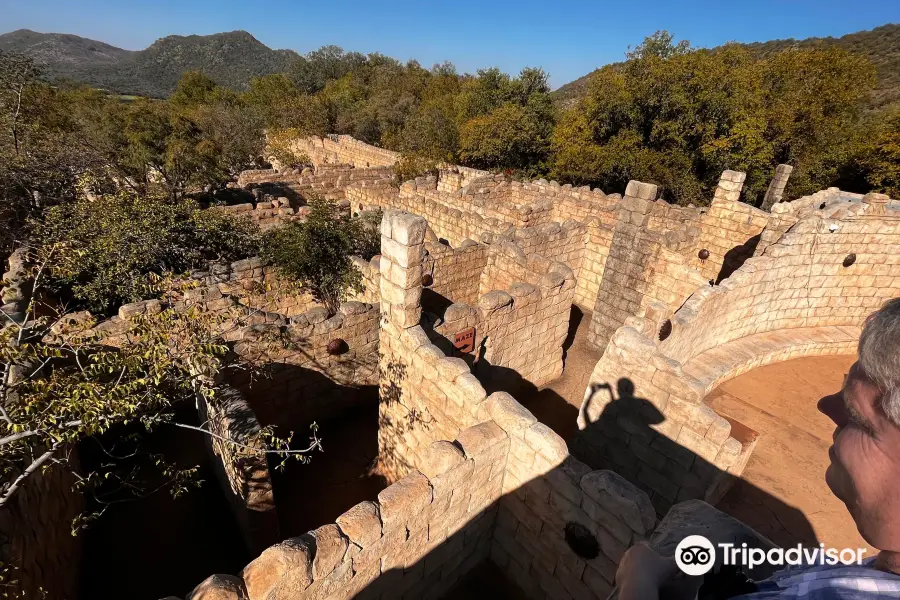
[(464, 341)]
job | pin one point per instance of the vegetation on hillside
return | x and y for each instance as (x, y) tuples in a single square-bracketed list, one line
[(678, 118), (880, 45)]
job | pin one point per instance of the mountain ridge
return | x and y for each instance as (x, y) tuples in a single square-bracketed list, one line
[(230, 58)]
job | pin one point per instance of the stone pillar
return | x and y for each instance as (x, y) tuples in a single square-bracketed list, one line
[(619, 296), (776, 186), (877, 203), (730, 185), (402, 253)]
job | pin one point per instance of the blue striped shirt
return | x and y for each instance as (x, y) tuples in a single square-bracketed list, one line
[(823, 582)]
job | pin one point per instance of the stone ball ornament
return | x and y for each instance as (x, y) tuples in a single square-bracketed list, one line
[(336, 347)]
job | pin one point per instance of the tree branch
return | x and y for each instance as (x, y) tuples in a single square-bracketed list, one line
[(34, 466), (315, 443)]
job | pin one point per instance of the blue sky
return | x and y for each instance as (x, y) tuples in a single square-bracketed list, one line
[(567, 39)]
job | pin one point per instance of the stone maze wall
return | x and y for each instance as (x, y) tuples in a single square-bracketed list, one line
[(505, 490), (304, 381), (345, 150), (455, 272), (243, 474), (520, 320), (807, 294), (642, 266), (643, 418), (36, 540)]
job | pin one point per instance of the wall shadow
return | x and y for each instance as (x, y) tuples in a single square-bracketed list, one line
[(622, 440), (576, 315), (308, 495), (735, 257), (150, 547), (291, 397)]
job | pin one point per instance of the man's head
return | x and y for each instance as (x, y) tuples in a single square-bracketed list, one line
[(865, 457)]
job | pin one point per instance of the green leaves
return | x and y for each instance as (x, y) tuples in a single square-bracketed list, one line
[(116, 249), (316, 252), (679, 117)]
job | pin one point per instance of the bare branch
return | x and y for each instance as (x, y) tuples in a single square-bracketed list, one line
[(315, 443), (34, 466)]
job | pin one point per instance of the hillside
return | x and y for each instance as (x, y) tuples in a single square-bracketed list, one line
[(881, 45), (231, 59)]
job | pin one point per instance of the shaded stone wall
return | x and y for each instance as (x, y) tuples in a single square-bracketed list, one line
[(243, 474), (546, 493), (303, 381), (36, 542), (16, 286), (644, 418)]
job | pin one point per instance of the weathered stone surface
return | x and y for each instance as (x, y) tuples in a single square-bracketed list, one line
[(219, 587), (546, 442), (509, 414), (621, 498), (476, 439), (404, 499), (362, 524), (290, 559), (331, 545), (439, 458)]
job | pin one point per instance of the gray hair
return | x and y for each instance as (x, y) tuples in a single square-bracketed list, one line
[(879, 355)]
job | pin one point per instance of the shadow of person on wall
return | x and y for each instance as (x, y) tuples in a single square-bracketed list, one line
[(623, 439), (735, 257)]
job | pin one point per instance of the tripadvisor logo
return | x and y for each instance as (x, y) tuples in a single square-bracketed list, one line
[(696, 555)]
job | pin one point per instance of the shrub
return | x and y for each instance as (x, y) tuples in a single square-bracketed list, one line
[(316, 253), (101, 252)]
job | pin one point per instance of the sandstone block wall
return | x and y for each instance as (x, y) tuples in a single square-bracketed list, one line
[(644, 418), (36, 542), (455, 272), (728, 228), (243, 474), (303, 381), (547, 497), (642, 266), (805, 295), (799, 282), (520, 320), (505, 490), (344, 149), (255, 284), (266, 215), (17, 283)]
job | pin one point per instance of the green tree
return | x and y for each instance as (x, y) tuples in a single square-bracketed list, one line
[(64, 382), (316, 253), (881, 159), (105, 249), (678, 118)]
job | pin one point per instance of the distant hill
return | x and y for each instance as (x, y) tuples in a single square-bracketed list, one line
[(881, 45), (231, 59)]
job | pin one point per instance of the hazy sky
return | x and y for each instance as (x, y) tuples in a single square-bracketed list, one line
[(567, 39)]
